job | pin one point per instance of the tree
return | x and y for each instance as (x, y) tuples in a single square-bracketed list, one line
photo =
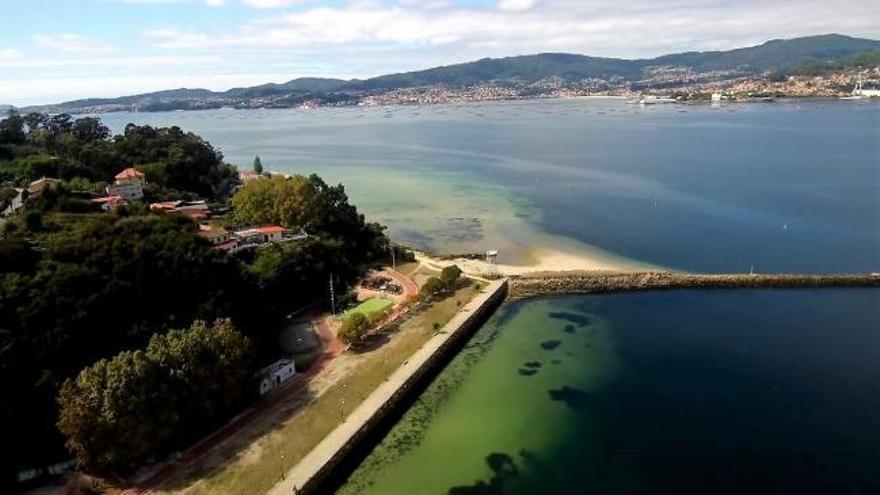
[(117, 412), (258, 165), (450, 275), (353, 328), (309, 203), (432, 287), (12, 129), (121, 412)]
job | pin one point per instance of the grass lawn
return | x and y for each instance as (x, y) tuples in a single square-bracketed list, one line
[(252, 462), (370, 306)]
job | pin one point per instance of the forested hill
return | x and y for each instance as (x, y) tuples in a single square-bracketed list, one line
[(791, 55), (772, 55)]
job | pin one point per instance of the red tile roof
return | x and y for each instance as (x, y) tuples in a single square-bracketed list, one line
[(271, 229), (129, 173)]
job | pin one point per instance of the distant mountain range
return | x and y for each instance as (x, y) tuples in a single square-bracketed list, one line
[(536, 72)]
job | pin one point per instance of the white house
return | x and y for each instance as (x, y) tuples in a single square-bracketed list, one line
[(260, 235), (276, 374), (129, 184), (16, 204), (214, 233)]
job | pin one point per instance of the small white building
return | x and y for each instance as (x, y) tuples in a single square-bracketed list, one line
[(214, 233), (129, 184), (16, 204), (260, 235), (274, 375)]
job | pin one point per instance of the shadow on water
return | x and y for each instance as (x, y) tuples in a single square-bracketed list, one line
[(572, 397), (550, 345), (371, 437), (503, 469)]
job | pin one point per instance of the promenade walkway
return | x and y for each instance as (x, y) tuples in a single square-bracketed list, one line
[(321, 460)]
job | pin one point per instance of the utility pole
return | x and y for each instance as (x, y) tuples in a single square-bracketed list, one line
[(332, 296)]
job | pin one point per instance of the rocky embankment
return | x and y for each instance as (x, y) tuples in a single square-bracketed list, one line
[(582, 282)]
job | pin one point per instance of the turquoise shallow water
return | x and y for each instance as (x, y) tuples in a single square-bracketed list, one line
[(680, 392), (790, 186)]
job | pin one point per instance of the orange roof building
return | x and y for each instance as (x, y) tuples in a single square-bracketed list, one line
[(130, 173)]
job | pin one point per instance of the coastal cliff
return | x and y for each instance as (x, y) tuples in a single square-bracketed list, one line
[(595, 282)]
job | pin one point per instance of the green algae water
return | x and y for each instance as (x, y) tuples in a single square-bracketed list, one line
[(754, 391)]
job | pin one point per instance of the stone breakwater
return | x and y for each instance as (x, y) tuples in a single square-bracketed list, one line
[(319, 471), (586, 282)]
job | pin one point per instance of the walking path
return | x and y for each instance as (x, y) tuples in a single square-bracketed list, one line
[(332, 349), (308, 472)]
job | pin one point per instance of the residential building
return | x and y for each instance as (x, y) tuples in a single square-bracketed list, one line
[(215, 234), (129, 184), (110, 203), (274, 375), (197, 210), (260, 235), (39, 186), (16, 204), (248, 175)]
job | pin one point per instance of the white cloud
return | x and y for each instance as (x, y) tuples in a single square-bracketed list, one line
[(270, 3), (71, 43), (515, 5), (10, 54), (636, 28)]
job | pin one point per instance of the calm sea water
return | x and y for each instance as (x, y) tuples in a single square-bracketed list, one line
[(682, 392), (741, 392), (790, 186)]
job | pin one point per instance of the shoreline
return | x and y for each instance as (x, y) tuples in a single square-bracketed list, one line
[(706, 102), (543, 259)]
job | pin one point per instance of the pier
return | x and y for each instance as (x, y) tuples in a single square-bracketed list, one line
[(595, 282)]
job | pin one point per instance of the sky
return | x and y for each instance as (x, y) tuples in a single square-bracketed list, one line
[(57, 50)]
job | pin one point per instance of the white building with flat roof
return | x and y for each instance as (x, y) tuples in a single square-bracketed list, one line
[(277, 373)]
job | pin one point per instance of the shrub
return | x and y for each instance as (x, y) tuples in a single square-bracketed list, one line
[(450, 275), (353, 328), (432, 287)]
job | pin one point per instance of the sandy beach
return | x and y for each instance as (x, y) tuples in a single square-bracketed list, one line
[(541, 259)]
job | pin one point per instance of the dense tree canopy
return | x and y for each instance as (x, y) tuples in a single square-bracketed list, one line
[(128, 409), (96, 286), (310, 204), (176, 162), (78, 288)]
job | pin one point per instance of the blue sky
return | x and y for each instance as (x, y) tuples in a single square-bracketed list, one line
[(53, 50)]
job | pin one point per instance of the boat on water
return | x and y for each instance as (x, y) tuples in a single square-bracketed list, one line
[(859, 92), (654, 100)]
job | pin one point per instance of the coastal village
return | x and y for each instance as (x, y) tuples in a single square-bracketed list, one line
[(411, 302)]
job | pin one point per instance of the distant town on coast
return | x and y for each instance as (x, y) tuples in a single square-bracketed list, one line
[(815, 66), (462, 250)]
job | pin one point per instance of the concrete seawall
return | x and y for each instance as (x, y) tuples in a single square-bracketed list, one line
[(315, 471), (580, 282)]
